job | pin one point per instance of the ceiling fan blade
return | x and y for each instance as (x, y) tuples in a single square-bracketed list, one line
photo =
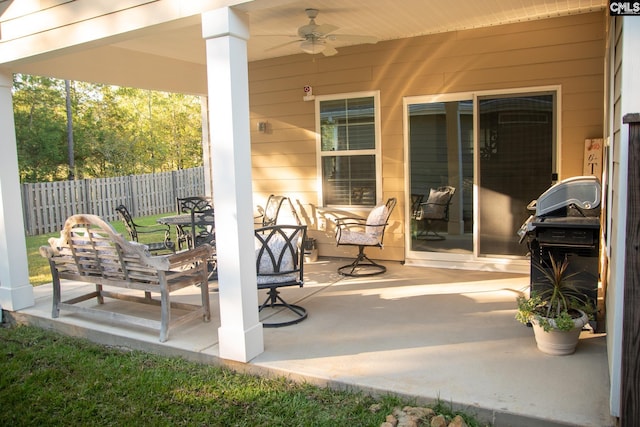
[(325, 29), (329, 50), (353, 38), (283, 45), (276, 35)]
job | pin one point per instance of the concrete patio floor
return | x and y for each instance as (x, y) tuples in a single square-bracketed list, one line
[(418, 332)]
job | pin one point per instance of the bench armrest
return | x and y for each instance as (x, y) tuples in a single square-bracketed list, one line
[(201, 253)]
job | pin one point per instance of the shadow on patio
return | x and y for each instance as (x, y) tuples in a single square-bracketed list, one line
[(419, 332)]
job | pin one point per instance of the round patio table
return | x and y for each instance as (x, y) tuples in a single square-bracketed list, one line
[(184, 219)]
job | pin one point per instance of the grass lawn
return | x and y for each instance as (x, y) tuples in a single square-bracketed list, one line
[(53, 380)]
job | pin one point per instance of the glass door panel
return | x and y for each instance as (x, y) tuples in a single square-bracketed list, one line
[(440, 147), (516, 137)]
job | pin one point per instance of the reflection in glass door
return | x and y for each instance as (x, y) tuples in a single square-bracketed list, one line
[(440, 158)]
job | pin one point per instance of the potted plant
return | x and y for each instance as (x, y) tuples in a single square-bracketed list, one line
[(557, 312)]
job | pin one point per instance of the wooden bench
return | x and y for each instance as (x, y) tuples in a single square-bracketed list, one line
[(90, 250)]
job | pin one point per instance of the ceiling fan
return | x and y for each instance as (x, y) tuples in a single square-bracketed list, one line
[(314, 38)]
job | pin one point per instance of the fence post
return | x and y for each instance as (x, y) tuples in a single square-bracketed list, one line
[(130, 201), (85, 193), (174, 184), (26, 208)]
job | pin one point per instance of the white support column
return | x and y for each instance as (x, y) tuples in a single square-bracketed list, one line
[(15, 290), (226, 32)]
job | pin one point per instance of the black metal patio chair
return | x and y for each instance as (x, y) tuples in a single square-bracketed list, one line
[(364, 233), (435, 211), (279, 263), (416, 200), (137, 230), (271, 214), (203, 230), (184, 205)]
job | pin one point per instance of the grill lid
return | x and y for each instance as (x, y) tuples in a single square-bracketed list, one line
[(583, 192)]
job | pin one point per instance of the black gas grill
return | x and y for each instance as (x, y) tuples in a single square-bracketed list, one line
[(566, 224)]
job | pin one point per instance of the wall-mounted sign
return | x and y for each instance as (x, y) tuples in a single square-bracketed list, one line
[(593, 157)]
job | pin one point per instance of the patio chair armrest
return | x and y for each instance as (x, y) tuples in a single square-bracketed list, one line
[(384, 224), (433, 210), (425, 204), (350, 220), (152, 228), (350, 223)]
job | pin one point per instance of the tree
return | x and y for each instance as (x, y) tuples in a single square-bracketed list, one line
[(116, 130), (40, 128)]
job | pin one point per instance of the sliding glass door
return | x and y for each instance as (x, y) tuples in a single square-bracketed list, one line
[(516, 140), (495, 152)]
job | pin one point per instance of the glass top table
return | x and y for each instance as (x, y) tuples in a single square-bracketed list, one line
[(185, 219)]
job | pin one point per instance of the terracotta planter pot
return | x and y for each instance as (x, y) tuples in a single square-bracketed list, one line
[(556, 342)]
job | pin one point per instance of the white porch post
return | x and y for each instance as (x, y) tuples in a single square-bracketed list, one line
[(226, 33), (15, 290)]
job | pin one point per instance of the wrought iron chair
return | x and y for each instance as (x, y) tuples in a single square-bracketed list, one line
[(271, 212), (135, 230), (184, 205), (203, 230), (416, 199), (364, 233), (279, 263), (435, 211)]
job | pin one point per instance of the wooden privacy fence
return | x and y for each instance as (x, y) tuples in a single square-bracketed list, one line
[(47, 205)]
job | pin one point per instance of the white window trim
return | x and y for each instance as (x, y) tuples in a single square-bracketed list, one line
[(376, 151)]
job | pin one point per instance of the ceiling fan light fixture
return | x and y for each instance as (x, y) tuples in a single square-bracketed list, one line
[(312, 46)]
